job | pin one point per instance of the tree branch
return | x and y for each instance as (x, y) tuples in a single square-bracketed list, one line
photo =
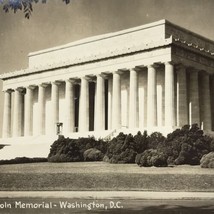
[(25, 5)]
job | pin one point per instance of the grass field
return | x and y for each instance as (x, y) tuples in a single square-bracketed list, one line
[(104, 176)]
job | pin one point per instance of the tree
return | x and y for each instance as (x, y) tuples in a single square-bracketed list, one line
[(25, 5)]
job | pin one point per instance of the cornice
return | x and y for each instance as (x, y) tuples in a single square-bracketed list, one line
[(193, 47)]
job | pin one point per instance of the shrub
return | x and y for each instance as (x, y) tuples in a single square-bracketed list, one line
[(151, 157), (19, 160), (141, 141), (183, 146), (64, 150), (186, 145), (121, 149), (106, 158), (154, 140), (124, 148), (93, 155), (72, 150), (207, 161)]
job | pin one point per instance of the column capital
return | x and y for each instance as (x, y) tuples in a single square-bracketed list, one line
[(19, 89), (84, 78), (103, 75), (31, 87), (133, 69), (90, 78), (192, 69), (169, 63), (9, 90), (44, 85), (152, 66), (107, 74), (204, 73), (117, 72), (180, 66), (56, 82), (100, 75), (72, 81)]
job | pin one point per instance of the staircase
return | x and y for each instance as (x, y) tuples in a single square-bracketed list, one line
[(37, 146)]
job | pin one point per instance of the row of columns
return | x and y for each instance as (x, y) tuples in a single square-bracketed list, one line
[(193, 98), (186, 111), (69, 103)]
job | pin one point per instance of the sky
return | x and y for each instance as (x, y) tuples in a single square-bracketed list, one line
[(56, 23)]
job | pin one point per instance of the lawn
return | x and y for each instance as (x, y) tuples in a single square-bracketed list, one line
[(104, 176)]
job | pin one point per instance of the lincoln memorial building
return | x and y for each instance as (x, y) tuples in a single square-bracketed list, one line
[(154, 77)]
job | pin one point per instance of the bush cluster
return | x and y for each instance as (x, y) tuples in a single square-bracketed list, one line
[(19, 160), (124, 148), (93, 155), (151, 157), (72, 150), (207, 160), (183, 146), (186, 145), (121, 149)]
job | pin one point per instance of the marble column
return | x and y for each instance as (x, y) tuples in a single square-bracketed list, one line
[(212, 99), (100, 104), (70, 107), (206, 102), (133, 99), (194, 110), (116, 101), (17, 116), (151, 97), (169, 95), (109, 103), (55, 104), (182, 107), (28, 124), (84, 106), (6, 131), (42, 116)]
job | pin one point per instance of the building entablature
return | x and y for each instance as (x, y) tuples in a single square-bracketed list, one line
[(112, 54), (108, 67)]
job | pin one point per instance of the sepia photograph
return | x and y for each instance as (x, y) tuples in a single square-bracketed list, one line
[(107, 106)]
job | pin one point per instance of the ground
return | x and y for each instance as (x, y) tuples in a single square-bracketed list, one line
[(93, 176), (104, 176)]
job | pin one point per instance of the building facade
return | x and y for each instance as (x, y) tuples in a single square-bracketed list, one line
[(157, 76)]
